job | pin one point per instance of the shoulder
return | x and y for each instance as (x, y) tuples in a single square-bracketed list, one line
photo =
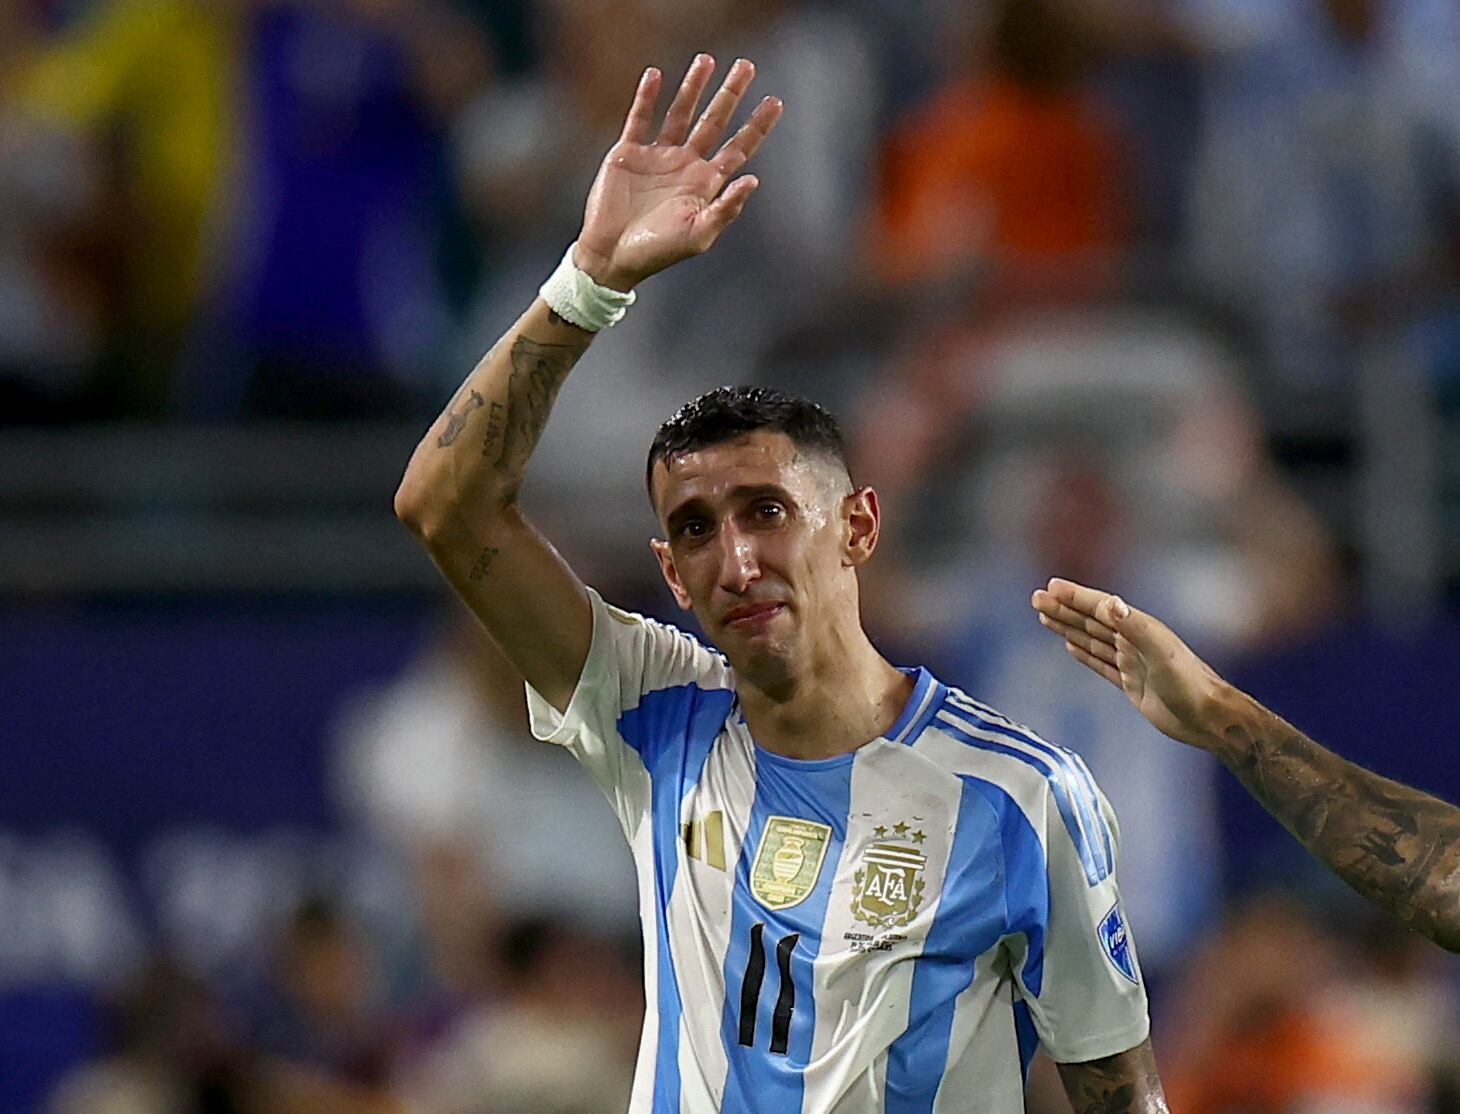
[(662, 656), (1049, 784), (972, 739)]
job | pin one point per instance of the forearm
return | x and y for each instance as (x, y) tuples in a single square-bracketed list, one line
[(1397, 846), (1126, 1083), (471, 463)]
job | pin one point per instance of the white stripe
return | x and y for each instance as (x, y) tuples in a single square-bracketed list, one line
[(928, 697), (983, 1049), (700, 914), (862, 998), (642, 842)]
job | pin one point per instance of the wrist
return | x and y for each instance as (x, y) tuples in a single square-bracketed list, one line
[(1220, 723), (601, 270), (579, 298)]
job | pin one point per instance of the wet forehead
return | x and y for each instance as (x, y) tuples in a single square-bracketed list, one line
[(714, 473)]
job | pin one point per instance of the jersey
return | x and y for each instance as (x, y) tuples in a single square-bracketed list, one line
[(889, 930)]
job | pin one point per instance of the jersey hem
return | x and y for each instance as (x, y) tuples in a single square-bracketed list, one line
[(1099, 1047)]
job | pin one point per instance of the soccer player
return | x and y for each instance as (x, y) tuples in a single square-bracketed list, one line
[(861, 890), (1398, 847)]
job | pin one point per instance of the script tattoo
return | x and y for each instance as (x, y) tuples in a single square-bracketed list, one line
[(456, 420), (1397, 846), (496, 413), (482, 565), (1126, 1083), (538, 371)]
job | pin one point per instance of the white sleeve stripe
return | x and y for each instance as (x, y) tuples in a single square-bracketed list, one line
[(1087, 796), (1057, 777)]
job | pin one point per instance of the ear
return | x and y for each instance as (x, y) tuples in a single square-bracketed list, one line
[(862, 522), (671, 575)]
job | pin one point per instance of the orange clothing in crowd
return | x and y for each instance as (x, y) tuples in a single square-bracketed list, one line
[(1289, 1061), (992, 170)]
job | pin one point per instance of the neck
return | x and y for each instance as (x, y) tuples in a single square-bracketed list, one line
[(846, 695)]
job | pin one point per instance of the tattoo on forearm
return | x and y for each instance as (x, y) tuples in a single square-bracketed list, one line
[(558, 319), (538, 371), (483, 564), (456, 419), (496, 416), (1126, 1083), (1397, 846)]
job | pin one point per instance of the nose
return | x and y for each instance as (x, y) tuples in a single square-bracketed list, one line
[(739, 568)]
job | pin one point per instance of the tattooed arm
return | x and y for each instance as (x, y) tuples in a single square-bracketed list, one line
[(1397, 846), (656, 200), (1126, 1083)]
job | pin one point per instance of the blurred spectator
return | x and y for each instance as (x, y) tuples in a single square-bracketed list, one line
[(320, 1011), (273, 160), (560, 1040), (1258, 1031), (1013, 167), (440, 766), (331, 305), (1311, 195), (172, 1054), (130, 110)]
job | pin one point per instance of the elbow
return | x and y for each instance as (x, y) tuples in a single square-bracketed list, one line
[(412, 507), (437, 518)]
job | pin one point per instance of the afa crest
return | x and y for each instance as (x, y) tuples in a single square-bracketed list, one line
[(788, 861), (887, 890)]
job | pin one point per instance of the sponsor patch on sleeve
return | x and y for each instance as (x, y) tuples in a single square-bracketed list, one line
[(1115, 940)]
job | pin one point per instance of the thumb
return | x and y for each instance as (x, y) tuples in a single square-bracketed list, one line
[(725, 208)]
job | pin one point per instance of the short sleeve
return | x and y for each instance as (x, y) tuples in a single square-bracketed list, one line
[(630, 656), (1086, 996)]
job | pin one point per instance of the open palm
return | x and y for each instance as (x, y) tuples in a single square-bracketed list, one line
[(657, 201), (1134, 651)]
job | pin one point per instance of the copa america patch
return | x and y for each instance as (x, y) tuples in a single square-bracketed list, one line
[(1115, 939)]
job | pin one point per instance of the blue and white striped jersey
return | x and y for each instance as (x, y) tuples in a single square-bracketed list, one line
[(889, 930)]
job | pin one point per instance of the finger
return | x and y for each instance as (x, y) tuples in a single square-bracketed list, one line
[(1075, 595), (1105, 651), (1109, 672), (716, 117), (743, 144), (682, 109), (1047, 605), (641, 112), (725, 209)]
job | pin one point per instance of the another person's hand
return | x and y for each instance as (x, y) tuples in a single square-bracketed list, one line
[(659, 200), (1137, 653)]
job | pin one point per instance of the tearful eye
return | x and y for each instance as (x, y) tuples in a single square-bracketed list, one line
[(770, 511)]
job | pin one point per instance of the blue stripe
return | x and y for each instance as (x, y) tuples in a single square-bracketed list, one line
[(1089, 800), (818, 791), (1088, 858), (672, 730), (1027, 1037)]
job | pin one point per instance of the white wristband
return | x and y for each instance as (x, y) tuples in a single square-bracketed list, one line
[(575, 297)]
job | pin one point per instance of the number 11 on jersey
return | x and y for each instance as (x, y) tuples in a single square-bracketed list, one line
[(750, 989)]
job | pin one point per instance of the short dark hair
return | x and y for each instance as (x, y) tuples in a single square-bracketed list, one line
[(730, 412)]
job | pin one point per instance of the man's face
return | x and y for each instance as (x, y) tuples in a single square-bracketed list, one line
[(762, 543)]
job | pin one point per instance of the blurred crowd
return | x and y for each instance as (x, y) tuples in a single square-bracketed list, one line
[(1111, 272)]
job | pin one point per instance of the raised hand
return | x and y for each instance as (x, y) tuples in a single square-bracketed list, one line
[(1137, 653), (657, 201)]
